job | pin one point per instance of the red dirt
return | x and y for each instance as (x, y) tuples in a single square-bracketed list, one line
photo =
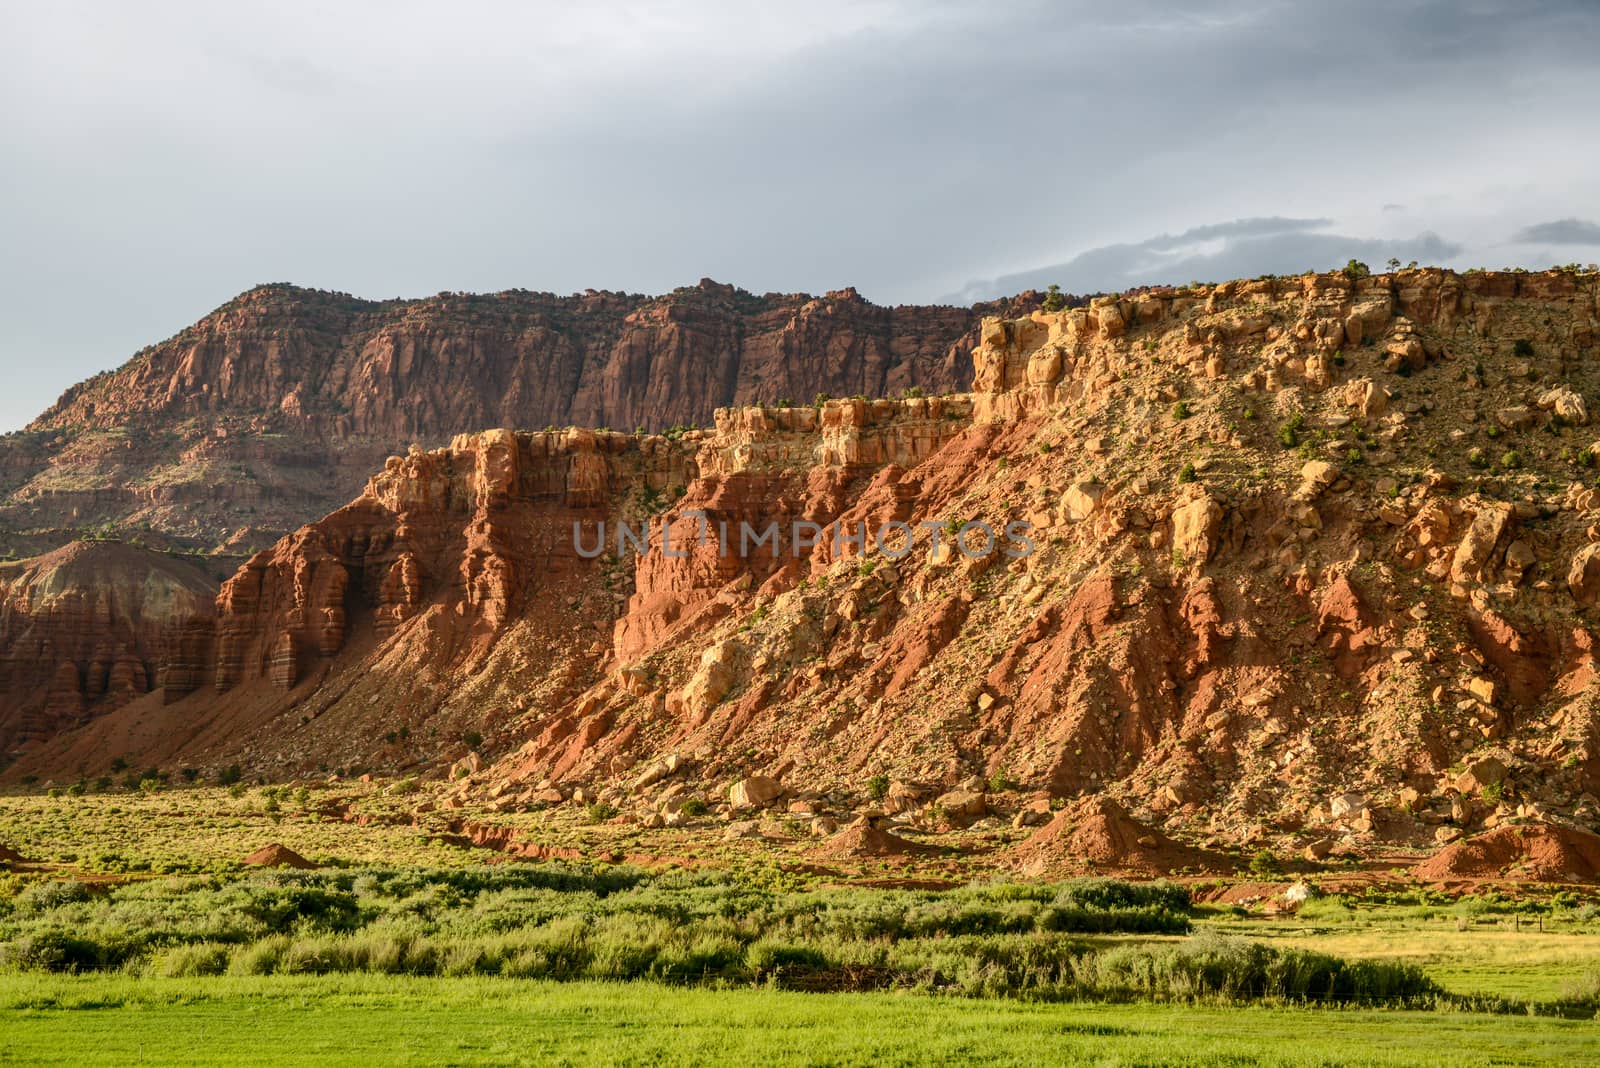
[(862, 839), (277, 856), (1538, 852), (1098, 833)]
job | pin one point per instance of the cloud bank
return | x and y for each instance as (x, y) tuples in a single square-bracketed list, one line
[(161, 157)]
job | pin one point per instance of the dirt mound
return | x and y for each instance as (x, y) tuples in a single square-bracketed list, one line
[(1540, 852), (277, 856), (862, 839), (10, 856), (1097, 833)]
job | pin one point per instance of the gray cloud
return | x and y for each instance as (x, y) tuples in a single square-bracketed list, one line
[(1561, 232), (158, 159), (1213, 252)]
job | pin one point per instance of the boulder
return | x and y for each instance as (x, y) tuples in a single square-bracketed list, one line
[(1369, 399), (717, 675), (1080, 500), (1519, 558), (1566, 405), (1195, 526), (1319, 849), (1486, 772), (754, 791), (1478, 544), (1347, 804), (1315, 477), (1583, 576), (962, 805), (1516, 417), (823, 826)]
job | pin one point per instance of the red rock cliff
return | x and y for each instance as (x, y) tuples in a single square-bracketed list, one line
[(271, 410), (91, 626)]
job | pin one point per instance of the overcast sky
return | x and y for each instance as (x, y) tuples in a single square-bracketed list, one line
[(158, 158)]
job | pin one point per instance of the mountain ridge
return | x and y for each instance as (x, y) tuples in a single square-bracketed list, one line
[(1316, 562), (269, 411)]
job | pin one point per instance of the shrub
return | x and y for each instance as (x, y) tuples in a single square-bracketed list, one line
[(55, 950), (200, 958), (46, 897), (1215, 968), (1180, 410), (1355, 269), (1264, 863), (1289, 432), (1054, 300), (1511, 459), (601, 811), (1187, 473), (878, 787), (765, 958), (1522, 348)]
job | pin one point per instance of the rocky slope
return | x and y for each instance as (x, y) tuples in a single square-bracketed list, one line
[(92, 626), (1313, 560), (272, 410)]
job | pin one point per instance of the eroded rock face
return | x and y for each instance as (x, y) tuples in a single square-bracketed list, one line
[(479, 529), (272, 410), (92, 626), (1266, 574)]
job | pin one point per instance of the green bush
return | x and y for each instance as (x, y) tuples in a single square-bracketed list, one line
[(1289, 432), (1355, 269)]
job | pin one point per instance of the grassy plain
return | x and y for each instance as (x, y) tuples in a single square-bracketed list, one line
[(321, 967), (403, 1021)]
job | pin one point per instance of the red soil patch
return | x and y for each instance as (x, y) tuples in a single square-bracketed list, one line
[(10, 856), (277, 856), (862, 839), (1098, 833), (1538, 852)]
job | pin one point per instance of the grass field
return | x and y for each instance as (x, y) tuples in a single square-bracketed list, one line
[(404, 1021), (137, 936)]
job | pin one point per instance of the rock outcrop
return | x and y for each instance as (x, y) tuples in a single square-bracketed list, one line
[(92, 626)]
